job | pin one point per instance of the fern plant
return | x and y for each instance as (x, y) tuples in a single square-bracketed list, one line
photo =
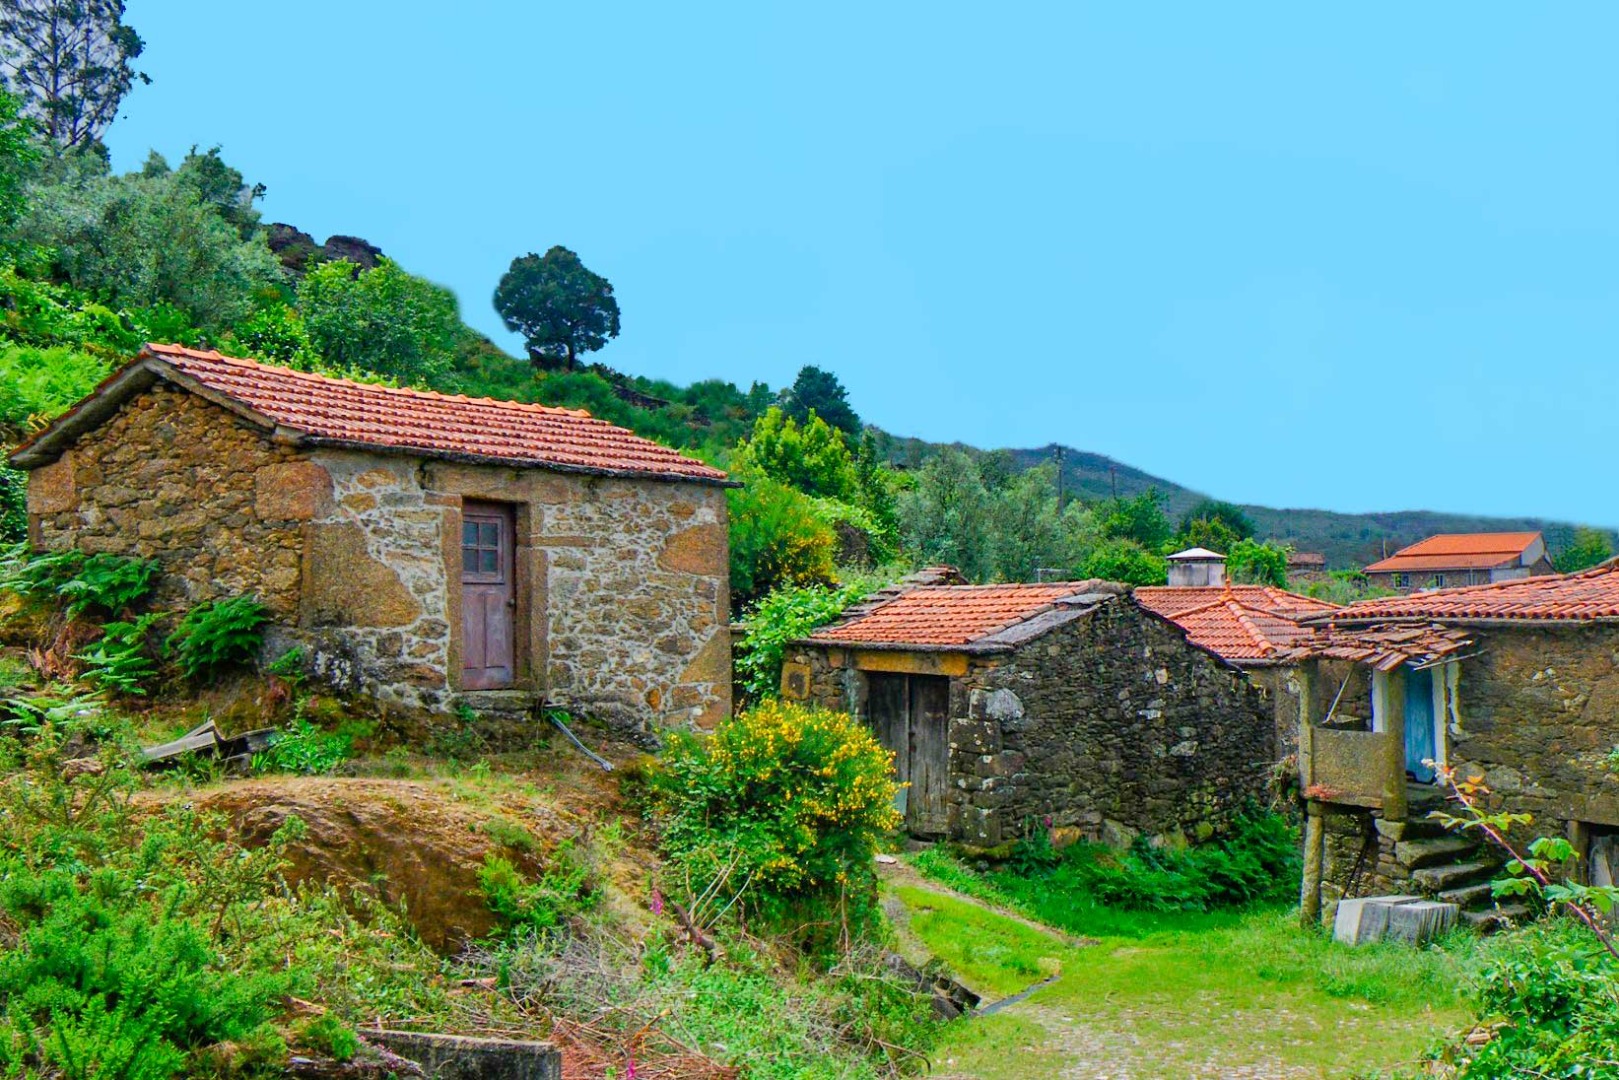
[(216, 635), (119, 661)]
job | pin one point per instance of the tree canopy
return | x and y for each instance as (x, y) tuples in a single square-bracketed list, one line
[(560, 307), (383, 321), (822, 393), (1589, 548), (71, 63)]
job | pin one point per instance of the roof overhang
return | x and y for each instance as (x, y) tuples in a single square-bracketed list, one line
[(140, 374)]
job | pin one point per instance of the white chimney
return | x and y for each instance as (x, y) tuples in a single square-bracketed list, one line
[(1196, 568)]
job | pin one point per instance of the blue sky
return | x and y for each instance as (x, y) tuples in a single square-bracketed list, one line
[(1361, 260)]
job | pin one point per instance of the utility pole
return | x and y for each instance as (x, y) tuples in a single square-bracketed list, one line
[(1113, 471)]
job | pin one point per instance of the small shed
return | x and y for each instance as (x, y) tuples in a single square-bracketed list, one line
[(1011, 707), (428, 549)]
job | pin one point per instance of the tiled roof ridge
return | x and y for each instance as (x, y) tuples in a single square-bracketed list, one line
[(1540, 589), (160, 350)]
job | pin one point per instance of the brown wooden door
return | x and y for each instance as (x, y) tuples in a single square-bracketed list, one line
[(488, 598), (910, 715)]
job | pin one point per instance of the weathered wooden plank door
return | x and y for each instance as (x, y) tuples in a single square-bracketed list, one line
[(929, 810), (910, 715), (1421, 740), (888, 706), (488, 596)]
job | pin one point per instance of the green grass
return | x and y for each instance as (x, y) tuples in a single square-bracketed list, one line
[(1182, 994)]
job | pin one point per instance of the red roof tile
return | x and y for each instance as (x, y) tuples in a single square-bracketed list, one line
[(1166, 600), (324, 410), (1458, 551), (945, 615), (1582, 597), (1242, 624)]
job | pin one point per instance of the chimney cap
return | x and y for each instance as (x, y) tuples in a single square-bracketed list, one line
[(1197, 554)]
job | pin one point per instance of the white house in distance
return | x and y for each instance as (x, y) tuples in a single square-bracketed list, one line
[(1454, 559)]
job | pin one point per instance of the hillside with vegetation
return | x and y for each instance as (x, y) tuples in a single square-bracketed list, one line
[(716, 909)]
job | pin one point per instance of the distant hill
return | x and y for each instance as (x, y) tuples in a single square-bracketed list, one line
[(1347, 540)]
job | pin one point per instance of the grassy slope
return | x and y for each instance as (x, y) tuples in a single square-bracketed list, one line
[(1246, 994)]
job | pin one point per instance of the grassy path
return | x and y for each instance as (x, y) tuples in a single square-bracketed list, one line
[(1244, 995)]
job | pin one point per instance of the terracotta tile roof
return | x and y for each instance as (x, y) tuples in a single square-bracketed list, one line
[(1242, 624), (1167, 600), (1458, 551), (1583, 597), (940, 616), (320, 410), (1384, 647)]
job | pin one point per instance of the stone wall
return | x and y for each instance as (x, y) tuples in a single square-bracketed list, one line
[(621, 589), (1538, 714), (174, 478), (1109, 726)]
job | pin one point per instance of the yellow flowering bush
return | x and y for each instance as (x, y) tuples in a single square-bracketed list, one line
[(786, 801)]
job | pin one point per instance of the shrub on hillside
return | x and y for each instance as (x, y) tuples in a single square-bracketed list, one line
[(781, 617), (781, 807), (777, 538)]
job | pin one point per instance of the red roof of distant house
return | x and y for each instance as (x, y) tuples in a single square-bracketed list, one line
[(320, 410), (941, 616), (1583, 597), (1458, 551), (1243, 624)]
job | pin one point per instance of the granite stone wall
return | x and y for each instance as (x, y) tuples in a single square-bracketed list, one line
[(1108, 727), (622, 601)]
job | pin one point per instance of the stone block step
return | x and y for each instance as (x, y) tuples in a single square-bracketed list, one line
[(1416, 854), (1436, 879), (1470, 897), (1489, 920)]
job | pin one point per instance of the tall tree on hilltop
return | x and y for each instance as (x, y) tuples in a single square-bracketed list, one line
[(70, 62), (560, 307), (821, 392)]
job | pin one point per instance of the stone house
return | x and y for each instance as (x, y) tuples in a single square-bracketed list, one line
[(429, 550), (1256, 628), (1009, 706), (1517, 682), (1455, 559)]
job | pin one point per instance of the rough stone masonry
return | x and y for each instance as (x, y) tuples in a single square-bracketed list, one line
[(622, 582)]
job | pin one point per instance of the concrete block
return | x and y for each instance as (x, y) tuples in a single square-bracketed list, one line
[(1366, 918), (1419, 922)]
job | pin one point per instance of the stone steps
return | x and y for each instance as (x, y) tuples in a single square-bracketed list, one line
[(1470, 897), (1425, 852), (1490, 920), (1436, 879)]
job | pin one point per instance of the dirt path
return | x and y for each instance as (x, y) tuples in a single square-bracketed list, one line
[(1128, 1010)]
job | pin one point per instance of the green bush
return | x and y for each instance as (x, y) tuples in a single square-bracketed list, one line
[(565, 889), (305, 749), (216, 635), (782, 616), (1127, 561), (777, 538), (782, 808)]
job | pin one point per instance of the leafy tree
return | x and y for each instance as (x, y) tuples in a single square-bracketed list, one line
[(215, 184), (70, 61), (1249, 562), (148, 239), (945, 517), (1230, 515), (276, 334), (811, 457), (1206, 532), (382, 321), (1589, 548), (561, 308), (1121, 559), (1139, 519), (777, 537), (820, 392), (17, 155), (1026, 532)]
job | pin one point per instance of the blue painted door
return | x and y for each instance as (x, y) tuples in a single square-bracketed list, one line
[(1420, 744)]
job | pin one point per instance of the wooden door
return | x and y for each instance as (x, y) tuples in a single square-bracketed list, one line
[(929, 810), (488, 596), (1421, 740), (910, 715)]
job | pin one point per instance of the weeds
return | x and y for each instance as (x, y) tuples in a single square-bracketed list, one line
[(217, 635)]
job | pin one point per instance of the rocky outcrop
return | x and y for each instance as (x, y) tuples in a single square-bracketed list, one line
[(299, 253)]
